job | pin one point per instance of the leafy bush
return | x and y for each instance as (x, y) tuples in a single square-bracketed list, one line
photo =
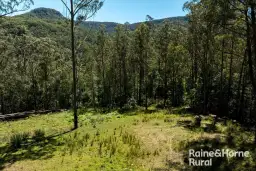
[(160, 105), (16, 140), (130, 105), (81, 111), (197, 121), (145, 119), (38, 135)]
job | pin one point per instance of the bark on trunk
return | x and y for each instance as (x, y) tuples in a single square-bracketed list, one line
[(73, 65)]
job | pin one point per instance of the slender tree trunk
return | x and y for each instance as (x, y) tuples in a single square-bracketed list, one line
[(146, 80), (221, 96), (120, 84), (73, 65), (93, 89), (2, 103), (222, 67), (250, 60), (165, 80), (141, 82), (239, 86), (249, 47), (241, 112), (205, 83), (173, 85), (195, 69), (146, 91), (124, 77), (230, 81)]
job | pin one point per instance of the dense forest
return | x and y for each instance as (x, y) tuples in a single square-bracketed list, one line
[(206, 61), (105, 60)]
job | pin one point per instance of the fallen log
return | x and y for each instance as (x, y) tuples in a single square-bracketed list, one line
[(15, 116)]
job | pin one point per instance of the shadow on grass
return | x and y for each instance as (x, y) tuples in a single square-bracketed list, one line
[(184, 111), (218, 163), (190, 125), (34, 150)]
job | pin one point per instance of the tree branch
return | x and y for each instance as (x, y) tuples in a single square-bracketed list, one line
[(81, 5), (66, 6)]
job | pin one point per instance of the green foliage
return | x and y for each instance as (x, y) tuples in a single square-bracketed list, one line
[(38, 135), (197, 121), (44, 13), (9, 7), (16, 140), (168, 119)]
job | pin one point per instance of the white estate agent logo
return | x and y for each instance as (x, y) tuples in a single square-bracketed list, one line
[(194, 155)]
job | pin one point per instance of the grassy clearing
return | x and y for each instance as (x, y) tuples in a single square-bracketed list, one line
[(138, 140)]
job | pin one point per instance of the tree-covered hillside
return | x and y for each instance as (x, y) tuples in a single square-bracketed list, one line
[(44, 13), (51, 14), (40, 80)]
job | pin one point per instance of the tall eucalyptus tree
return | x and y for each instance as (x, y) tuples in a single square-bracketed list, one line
[(83, 10)]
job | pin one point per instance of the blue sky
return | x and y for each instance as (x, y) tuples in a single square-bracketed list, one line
[(131, 11)]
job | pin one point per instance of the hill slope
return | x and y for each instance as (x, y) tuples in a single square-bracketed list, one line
[(46, 13)]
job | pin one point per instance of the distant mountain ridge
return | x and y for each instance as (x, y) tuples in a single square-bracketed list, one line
[(47, 13), (52, 14)]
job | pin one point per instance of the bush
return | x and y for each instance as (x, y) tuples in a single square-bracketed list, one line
[(160, 106), (81, 111), (145, 119), (198, 120), (16, 140), (130, 105), (231, 132), (38, 135)]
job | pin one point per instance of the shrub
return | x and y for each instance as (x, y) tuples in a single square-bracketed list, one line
[(113, 149), (87, 137), (97, 133), (156, 152), (167, 119), (135, 122), (156, 124), (160, 105), (214, 120), (92, 142), (132, 103), (197, 121), (81, 111), (230, 132), (100, 147), (16, 140), (38, 135), (145, 119)]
